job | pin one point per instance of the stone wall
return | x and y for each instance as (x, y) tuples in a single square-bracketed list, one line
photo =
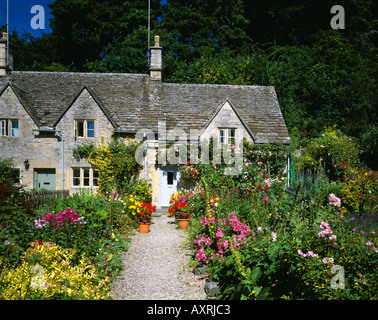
[(226, 118), (44, 149), (40, 152)]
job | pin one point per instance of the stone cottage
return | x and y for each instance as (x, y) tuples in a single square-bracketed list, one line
[(44, 115)]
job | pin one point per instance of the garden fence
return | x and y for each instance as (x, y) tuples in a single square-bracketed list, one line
[(40, 197)]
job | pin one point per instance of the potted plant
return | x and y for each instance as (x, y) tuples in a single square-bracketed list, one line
[(182, 214), (144, 216)]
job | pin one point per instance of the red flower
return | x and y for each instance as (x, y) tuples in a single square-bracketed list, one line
[(38, 242), (264, 175), (260, 186)]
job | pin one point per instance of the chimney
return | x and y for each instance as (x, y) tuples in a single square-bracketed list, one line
[(5, 66), (156, 60)]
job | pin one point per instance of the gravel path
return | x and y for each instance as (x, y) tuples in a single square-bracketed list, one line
[(156, 266)]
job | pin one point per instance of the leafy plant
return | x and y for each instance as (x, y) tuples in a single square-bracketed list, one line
[(55, 275)]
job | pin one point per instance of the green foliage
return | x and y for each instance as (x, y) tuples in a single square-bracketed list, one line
[(328, 153), (98, 237), (55, 276), (126, 168), (360, 191), (322, 76), (8, 172), (369, 144), (301, 240), (115, 163), (15, 221)]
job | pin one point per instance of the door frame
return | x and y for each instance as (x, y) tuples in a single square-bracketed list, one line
[(163, 188), (37, 181)]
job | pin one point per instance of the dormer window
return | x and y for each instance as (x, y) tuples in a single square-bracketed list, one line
[(84, 128), (8, 128), (227, 135)]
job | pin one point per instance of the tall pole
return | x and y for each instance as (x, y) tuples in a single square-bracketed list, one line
[(7, 33), (148, 52)]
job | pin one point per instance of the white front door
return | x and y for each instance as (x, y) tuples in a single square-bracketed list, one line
[(168, 181)]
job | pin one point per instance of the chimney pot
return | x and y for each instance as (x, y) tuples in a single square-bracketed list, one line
[(156, 60), (5, 66)]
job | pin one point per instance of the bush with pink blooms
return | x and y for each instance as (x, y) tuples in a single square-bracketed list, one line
[(228, 231), (279, 243)]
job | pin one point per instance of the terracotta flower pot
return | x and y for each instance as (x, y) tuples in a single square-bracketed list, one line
[(183, 223), (144, 227)]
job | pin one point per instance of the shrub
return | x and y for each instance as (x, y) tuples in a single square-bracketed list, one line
[(360, 191), (8, 172), (328, 152), (54, 275), (15, 220), (115, 163), (291, 256), (99, 237)]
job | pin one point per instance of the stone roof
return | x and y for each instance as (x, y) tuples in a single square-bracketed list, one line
[(133, 101)]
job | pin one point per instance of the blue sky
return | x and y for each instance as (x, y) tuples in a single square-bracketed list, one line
[(20, 16)]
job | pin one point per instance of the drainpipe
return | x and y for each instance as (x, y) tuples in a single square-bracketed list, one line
[(145, 156), (58, 134)]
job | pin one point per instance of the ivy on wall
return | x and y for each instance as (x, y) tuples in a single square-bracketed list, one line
[(115, 163)]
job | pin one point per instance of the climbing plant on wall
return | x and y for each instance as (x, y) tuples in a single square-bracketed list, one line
[(115, 163)]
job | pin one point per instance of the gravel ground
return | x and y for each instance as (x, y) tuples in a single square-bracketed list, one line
[(156, 266)]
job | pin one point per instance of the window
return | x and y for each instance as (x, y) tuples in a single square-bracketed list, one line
[(90, 129), (4, 128), (76, 177), (84, 128), (95, 178), (84, 177), (170, 178), (14, 128), (227, 136), (8, 128)]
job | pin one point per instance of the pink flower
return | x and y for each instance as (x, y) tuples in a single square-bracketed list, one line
[(201, 256), (311, 254), (259, 163), (266, 199), (334, 201), (327, 260), (219, 233)]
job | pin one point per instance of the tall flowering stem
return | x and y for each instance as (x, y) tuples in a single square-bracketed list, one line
[(209, 216)]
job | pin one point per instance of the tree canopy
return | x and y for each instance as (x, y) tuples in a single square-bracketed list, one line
[(322, 76)]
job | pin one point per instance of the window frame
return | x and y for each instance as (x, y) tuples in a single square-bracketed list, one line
[(7, 128), (91, 178), (84, 129), (227, 135)]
